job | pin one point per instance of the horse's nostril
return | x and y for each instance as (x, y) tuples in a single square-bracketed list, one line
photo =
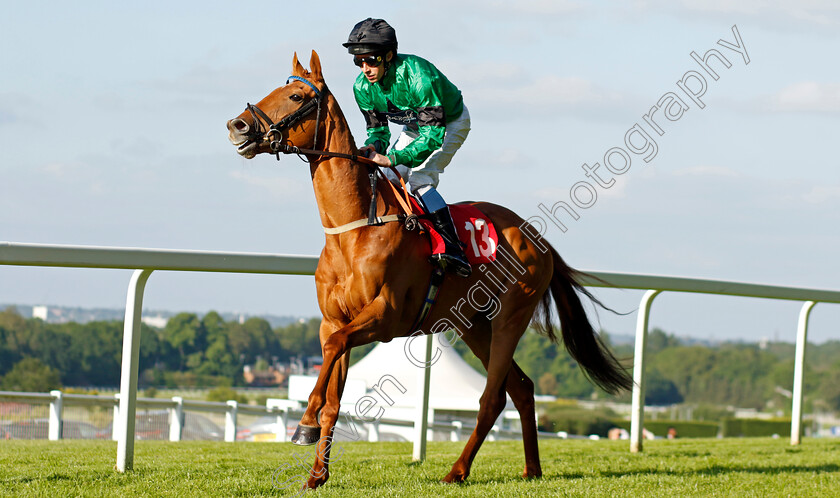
[(240, 125)]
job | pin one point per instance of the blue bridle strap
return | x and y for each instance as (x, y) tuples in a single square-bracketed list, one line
[(317, 92)]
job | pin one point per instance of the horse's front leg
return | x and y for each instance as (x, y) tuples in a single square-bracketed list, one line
[(362, 330), (329, 417)]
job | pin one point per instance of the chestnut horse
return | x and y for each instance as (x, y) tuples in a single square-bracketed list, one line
[(372, 280)]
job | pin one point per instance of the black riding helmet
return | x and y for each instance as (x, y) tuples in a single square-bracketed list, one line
[(371, 36)]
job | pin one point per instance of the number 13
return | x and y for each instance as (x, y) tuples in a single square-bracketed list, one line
[(488, 246)]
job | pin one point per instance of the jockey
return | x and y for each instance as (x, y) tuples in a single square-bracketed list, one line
[(410, 91)]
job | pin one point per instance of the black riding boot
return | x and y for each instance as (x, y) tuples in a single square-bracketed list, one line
[(454, 258)]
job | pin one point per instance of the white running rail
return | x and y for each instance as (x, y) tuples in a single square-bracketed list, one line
[(145, 261)]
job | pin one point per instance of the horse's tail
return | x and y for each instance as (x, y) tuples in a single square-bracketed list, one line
[(581, 341)]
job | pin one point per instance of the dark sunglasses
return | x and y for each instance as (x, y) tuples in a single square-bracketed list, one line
[(372, 60)]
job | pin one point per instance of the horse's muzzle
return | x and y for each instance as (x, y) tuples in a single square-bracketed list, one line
[(239, 134)]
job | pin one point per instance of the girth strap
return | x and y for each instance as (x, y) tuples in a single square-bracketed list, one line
[(431, 298)]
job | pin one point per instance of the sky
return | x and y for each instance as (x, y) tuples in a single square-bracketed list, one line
[(112, 133)]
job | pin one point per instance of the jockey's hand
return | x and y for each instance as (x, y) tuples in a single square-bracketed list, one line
[(381, 160), (367, 150)]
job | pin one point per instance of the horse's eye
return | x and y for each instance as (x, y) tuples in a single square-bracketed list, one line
[(295, 97)]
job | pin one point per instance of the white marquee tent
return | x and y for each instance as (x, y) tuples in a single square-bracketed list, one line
[(454, 384), (386, 371)]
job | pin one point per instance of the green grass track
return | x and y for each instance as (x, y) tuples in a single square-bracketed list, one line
[(698, 467)]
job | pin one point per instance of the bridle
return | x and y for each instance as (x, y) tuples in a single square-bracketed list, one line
[(276, 129), (274, 134)]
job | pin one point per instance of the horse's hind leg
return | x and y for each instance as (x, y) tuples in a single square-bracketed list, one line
[(506, 331), (521, 391)]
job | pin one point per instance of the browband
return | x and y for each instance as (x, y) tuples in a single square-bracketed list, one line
[(317, 92)]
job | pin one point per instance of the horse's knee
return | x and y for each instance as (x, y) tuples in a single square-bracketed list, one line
[(316, 401), (335, 344)]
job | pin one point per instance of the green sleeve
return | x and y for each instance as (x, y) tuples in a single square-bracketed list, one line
[(413, 155), (375, 121)]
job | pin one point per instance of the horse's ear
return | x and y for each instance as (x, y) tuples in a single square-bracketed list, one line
[(315, 66), (297, 68)]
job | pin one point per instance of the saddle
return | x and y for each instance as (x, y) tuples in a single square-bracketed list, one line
[(476, 232)]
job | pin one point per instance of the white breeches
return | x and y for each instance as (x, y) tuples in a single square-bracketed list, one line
[(428, 172)]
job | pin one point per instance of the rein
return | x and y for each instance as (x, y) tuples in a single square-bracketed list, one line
[(403, 198)]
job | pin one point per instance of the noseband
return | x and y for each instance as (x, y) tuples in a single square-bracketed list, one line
[(274, 133)]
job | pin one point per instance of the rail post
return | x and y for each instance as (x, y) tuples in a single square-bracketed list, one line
[(281, 423), (373, 431), (455, 436), (176, 419), (115, 432), (799, 373), (230, 421), (128, 378), (421, 417), (637, 414), (282, 407), (55, 415)]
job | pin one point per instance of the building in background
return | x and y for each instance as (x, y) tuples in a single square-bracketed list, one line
[(41, 312)]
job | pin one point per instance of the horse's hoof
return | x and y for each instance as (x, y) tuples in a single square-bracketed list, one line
[(454, 478), (315, 482), (306, 435)]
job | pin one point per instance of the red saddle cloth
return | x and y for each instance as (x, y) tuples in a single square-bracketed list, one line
[(475, 230)]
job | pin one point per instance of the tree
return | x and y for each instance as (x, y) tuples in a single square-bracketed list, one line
[(548, 384), (214, 324), (185, 333), (31, 375), (658, 339), (261, 339), (535, 354), (11, 320), (538, 356), (300, 338), (661, 391), (830, 388), (16, 336), (218, 360), (93, 352), (6, 356)]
